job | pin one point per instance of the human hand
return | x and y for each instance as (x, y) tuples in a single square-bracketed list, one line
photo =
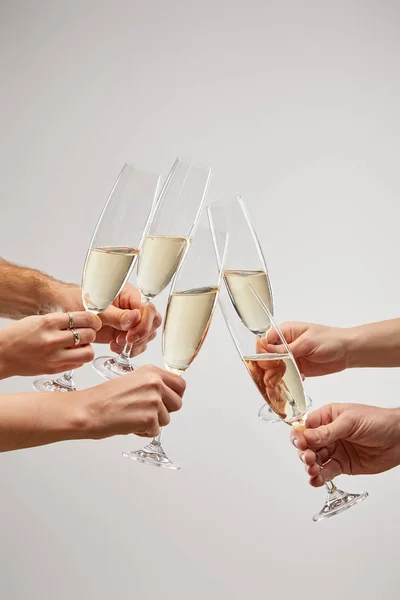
[(352, 439), (139, 402), (45, 344), (126, 320), (318, 349), (268, 377)]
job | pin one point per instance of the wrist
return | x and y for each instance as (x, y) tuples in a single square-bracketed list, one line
[(395, 418), (79, 419), (66, 296), (86, 417), (391, 427), (352, 342), (5, 370)]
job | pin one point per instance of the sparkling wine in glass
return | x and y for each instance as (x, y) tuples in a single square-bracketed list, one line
[(278, 380), (165, 242), (113, 250), (190, 309), (245, 263), (245, 267)]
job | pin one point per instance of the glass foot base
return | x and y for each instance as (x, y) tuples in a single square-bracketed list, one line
[(152, 454), (53, 385), (267, 414), (337, 502), (110, 368)]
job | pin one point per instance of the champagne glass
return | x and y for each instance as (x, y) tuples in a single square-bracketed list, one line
[(278, 380), (113, 250), (167, 238), (245, 265), (190, 309)]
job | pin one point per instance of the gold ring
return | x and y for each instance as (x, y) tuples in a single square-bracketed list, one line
[(71, 321), (77, 337)]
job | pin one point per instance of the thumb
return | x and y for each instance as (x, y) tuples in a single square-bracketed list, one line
[(329, 434), (120, 319), (297, 348)]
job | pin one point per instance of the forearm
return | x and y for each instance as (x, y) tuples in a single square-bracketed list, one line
[(29, 420), (374, 344), (25, 292)]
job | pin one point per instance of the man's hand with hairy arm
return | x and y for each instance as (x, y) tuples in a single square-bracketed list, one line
[(25, 292)]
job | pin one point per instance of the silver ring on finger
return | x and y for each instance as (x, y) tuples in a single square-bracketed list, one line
[(77, 337), (71, 321)]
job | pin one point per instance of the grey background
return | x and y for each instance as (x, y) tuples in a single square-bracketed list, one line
[(296, 107)]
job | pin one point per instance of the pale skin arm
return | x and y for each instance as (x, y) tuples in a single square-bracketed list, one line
[(29, 420), (374, 345), (137, 403), (321, 350)]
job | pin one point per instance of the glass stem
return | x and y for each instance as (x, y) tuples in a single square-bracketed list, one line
[(66, 379), (330, 487), (159, 437), (125, 357)]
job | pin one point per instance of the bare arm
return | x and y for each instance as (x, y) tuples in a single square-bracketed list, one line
[(322, 350), (25, 292), (374, 344), (138, 403), (28, 420)]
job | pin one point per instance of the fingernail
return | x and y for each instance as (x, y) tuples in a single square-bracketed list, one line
[(313, 437), (295, 442), (302, 457), (127, 320)]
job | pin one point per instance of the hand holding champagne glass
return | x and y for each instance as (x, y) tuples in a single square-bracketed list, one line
[(166, 240), (113, 251), (190, 309), (278, 380)]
